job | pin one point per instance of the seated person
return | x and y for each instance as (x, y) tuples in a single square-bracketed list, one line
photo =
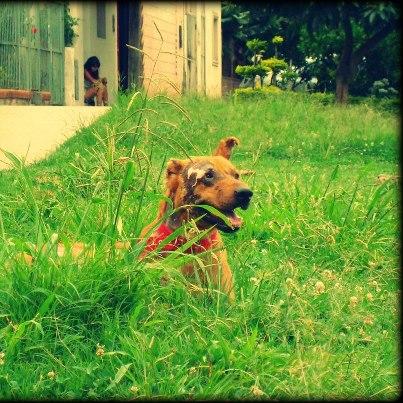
[(93, 86)]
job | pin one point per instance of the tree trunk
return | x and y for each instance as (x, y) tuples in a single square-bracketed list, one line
[(341, 91), (231, 46), (350, 59), (344, 69)]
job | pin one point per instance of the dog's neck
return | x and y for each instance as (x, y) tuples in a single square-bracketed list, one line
[(181, 216), (209, 241)]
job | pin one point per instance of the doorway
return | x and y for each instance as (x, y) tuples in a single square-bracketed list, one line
[(129, 60)]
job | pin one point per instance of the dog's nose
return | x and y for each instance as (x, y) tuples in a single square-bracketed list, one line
[(243, 196)]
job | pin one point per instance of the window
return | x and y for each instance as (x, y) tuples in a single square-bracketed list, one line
[(101, 20), (180, 36), (215, 40), (76, 78)]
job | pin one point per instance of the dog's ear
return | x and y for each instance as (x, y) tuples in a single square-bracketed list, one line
[(225, 147), (174, 168)]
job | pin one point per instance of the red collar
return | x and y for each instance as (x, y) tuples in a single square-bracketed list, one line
[(163, 231)]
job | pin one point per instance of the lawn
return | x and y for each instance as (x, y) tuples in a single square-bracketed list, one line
[(316, 264)]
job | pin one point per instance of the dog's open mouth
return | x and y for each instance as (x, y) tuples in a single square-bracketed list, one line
[(231, 223), (234, 220)]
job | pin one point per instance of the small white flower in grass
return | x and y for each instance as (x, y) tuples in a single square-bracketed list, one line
[(263, 251), (329, 274), (288, 281), (364, 336), (254, 281), (353, 302), (319, 287), (134, 389), (51, 374), (338, 286), (256, 391), (100, 350), (376, 286), (370, 297), (253, 241), (369, 320)]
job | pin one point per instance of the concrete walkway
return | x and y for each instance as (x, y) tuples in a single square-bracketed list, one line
[(35, 131)]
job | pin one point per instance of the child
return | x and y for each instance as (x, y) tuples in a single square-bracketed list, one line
[(93, 86)]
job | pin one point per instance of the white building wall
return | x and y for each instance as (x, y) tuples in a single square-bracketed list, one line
[(168, 16), (213, 68)]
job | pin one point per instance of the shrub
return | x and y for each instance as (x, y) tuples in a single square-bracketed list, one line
[(275, 64), (256, 93), (256, 45), (382, 89), (323, 97), (251, 71)]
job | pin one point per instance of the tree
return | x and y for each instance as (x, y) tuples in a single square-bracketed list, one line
[(377, 21), (243, 21), (353, 43)]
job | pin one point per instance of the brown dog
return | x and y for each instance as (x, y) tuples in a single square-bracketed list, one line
[(191, 183), (211, 181)]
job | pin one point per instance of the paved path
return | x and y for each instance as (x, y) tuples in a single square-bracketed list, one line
[(36, 131)]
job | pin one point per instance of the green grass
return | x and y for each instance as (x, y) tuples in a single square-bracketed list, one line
[(316, 264)]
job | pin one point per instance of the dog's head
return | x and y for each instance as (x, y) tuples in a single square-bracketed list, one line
[(212, 181)]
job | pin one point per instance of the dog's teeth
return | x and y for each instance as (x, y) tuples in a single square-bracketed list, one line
[(235, 220)]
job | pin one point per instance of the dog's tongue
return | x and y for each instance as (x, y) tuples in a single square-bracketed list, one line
[(235, 221)]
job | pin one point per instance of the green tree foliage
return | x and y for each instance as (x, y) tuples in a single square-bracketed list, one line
[(353, 44), (362, 26), (69, 24)]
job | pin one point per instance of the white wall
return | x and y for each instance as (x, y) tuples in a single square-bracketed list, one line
[(213, 69), (168, 16)]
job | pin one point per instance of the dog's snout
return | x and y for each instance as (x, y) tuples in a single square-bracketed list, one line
[(243, 196)]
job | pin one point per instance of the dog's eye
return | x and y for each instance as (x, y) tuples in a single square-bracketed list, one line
[(236, 175), (209, 175)]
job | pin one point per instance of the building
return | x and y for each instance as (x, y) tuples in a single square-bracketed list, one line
[(189, 60)]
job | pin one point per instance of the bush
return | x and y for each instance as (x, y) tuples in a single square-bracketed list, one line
[(274, 63), (251, 93), (382, 89), (324, 98), (252, 71), (384, 104)]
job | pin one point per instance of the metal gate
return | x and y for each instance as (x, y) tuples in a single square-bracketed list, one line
[(32, 47)]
